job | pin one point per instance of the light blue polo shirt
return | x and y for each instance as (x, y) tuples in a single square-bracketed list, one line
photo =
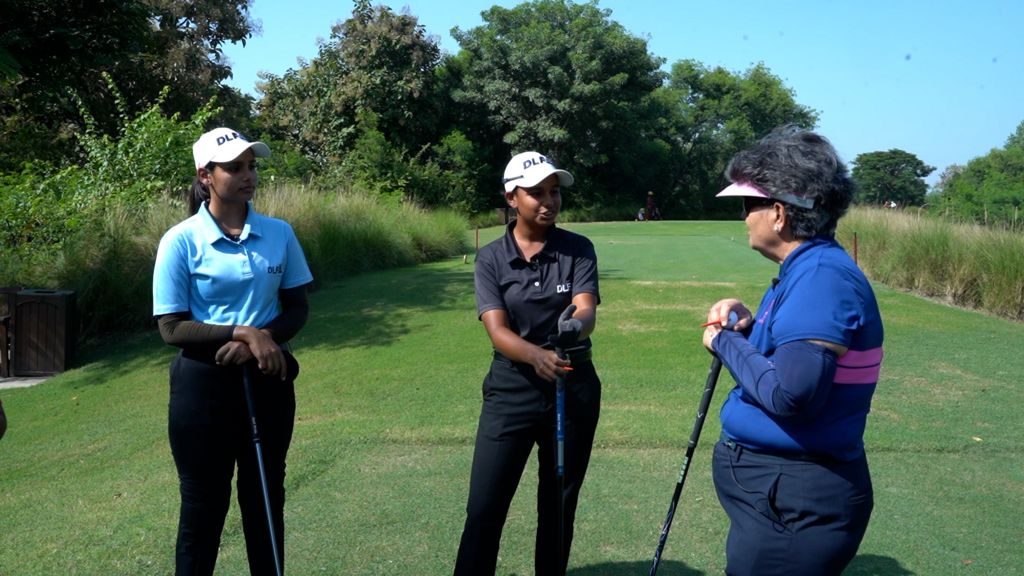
[(219, 281)]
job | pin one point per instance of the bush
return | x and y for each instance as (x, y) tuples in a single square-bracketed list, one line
[(45, 205)]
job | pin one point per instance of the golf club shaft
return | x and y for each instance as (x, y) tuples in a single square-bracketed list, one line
[(560, 466), (247, 385), (702, 410)]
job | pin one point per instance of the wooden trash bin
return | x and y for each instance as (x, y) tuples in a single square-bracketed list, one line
[(45, 331)]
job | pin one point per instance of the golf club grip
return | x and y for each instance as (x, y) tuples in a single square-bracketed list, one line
[(705, 403)]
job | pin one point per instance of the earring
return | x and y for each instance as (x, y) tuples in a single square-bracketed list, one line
[(777, 229)]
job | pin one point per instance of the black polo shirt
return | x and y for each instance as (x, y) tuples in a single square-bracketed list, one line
[(535, 293)]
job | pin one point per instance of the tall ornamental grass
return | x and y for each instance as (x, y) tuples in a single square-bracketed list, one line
[(963, 264), (108, 262), (347, 233)]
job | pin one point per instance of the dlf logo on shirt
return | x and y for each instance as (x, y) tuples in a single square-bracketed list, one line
[(563, 288)]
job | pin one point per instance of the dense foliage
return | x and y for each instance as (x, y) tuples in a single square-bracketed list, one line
[(382, 110), (717, 113), (989, 189), (148, 154), (92, 102), (54, 52)]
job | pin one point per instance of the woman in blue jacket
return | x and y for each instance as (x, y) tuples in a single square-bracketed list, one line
[(790, 470)]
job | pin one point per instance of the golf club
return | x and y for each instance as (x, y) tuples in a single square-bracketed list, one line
[(705, 402), (560, 461), (259, 463)]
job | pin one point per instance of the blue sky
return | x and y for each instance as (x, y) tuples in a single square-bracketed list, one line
[(942, 79)]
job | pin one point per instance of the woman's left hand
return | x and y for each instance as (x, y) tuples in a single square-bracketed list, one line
[(709, 335), (233, 352)]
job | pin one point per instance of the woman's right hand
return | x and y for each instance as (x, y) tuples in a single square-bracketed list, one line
[(727, 314), (547, 364), (720, 311)]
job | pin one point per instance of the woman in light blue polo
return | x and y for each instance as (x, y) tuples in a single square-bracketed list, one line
[(229, 288)]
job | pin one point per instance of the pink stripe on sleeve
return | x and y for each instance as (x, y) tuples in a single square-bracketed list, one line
[(859, 367)]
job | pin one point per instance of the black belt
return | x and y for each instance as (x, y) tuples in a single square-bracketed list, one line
[(580, 357), (802, 457), (204, 354)]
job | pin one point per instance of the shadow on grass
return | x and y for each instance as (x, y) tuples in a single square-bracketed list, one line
[(872, 565), (666, 568), (370, 309), (374, 309), (862, 565), (112, 356)]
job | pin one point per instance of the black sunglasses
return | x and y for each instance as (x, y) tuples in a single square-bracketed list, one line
[(751, 204)]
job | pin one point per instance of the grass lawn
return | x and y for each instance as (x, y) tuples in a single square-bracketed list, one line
[(388, 400)]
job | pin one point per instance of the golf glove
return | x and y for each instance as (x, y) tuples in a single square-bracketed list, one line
[(569, 328)]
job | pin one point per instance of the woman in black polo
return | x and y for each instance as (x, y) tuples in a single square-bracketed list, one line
[(525, 281)]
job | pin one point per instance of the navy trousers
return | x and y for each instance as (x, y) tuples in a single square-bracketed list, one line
[(210, 433), (791, 517), (519, 412)]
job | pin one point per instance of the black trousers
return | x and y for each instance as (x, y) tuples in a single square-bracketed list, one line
[(519, 412), (210, 432), (790, 517)]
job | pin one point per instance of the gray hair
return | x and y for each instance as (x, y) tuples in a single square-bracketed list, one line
[(791, 161)]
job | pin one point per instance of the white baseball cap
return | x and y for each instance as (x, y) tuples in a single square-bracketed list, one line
[(527, 169), (224, 145)]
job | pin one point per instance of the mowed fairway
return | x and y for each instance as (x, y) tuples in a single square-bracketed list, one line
[(388, 400)]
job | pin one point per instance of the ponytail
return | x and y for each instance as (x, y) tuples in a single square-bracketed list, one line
[(197, 194)]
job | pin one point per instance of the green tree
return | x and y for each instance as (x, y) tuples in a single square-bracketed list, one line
[(988, 190), (892, 176), (49, 50), (718, 114), (563, 79), (376, 64)]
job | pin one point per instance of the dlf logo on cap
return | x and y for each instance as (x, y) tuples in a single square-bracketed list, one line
[(224, 145), (536, 161), (228, 138), (527, 169)]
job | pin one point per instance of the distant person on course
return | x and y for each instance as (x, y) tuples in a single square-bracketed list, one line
[(652, 211), (526, 284), (790, 470), (229, 289)]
